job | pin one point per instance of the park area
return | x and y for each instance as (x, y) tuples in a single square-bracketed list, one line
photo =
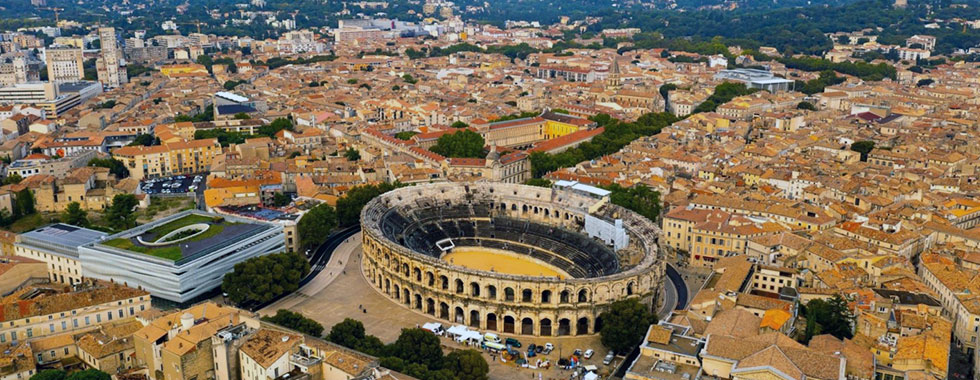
[(166, 247)]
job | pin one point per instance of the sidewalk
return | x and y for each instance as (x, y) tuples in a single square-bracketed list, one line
[(333, 269)]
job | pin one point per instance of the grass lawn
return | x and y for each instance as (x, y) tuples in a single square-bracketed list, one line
[(28, 223), (170, 253), (182, 222)]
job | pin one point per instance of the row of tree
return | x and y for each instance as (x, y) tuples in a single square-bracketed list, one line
[(416, 353), (317, 224)]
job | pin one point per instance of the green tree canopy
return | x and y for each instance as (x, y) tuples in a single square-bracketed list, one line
[(863, 147), (75, 215), (352, 154), (459, 124), (261, 279), (120, 214), (89, 374), (831, 316), (115, 166), (49, 374), (295, 321), (467, 365), (806, 106), (314, 227), (12, 178), (463, 144), (624, 324), (640, 198), (350, 205), (539, 182), (418, 346)]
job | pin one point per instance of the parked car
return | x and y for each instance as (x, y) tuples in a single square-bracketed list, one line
[(548, 347), (577, 352), (531, 350), (609, 358), (513, 342), (539, 349), (491, 337), (589, 353)]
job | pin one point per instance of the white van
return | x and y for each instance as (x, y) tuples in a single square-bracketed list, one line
[(491, 338), (435, 328)]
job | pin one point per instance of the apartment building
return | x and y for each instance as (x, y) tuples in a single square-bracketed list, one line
[(960, 296), (42, 310), (107, 65), (707, 235), (266, 354), (167, 159), (65, 64), (178, 346)]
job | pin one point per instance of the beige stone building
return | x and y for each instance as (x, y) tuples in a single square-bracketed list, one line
[(168, 159), (65, 64)]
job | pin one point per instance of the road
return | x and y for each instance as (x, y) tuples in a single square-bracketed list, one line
[(670, 300), (323, 258), (679, 286)]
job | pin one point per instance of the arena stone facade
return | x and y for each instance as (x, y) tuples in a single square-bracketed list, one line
[(525, 305)]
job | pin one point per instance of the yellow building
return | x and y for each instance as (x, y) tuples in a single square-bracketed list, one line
[(184, 70), (178, 346), (707, 235), (185, 157)]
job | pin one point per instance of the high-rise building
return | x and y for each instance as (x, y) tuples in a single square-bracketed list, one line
[(65, 64), (17, 69), (111, 57)]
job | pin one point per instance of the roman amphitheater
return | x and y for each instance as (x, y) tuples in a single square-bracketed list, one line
[(510, 258)]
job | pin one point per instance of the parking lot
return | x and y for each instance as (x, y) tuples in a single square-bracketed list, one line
[(179, 184)]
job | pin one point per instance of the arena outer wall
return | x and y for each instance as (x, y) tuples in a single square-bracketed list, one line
[(567, 306)]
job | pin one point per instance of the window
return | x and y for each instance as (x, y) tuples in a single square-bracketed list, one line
[(51, 327)]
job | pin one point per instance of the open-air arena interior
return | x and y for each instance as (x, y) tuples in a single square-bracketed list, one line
[(510, 258)]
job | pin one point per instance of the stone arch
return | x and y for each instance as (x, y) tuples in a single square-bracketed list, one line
[(458, 315), (491, 292), (583, 295), (444, 310), (509, 294), (387, 286), (475, 318), (598, 324), (508, 324), (459, 286), (491, 321), (546, 296), (564, 296), (418, 274), (582, 326), (474, 289), (444, 281), (418, 301), (397, 294), (430, 306), (527, 326), (629, 288), (527, 295), (564, 327), (544, 327), (405, 269), (406, 297)]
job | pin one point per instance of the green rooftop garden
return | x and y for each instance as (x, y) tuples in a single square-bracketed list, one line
[(170, 252)]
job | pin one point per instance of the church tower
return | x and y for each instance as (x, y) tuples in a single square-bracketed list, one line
[(613, 80)]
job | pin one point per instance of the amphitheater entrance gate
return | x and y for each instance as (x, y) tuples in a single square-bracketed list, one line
[(474, 318), (492, 322), (527, 326), (430, 306), (508, 324), (545, 327), (459, 316), (582, 327), (443, 311), (564, 327)]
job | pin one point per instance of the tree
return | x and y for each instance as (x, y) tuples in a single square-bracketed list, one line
[(89, 374), (23, 203), (539, 182), (75, 215), (419, 346), (348, 333), (459, 124), (280, 199), (406, 135), (295, 321), (145, 139), (467, 365), (12, 178), (863, 147), (806, 106), (924, 82), (464, 143), (316, 224), (831, 316), (49, 374), (624, 324), (409, 79), (640, 199), (205, 60), (115, 166), (242, 116), (263, 278), (350, 205), (352, 154), (120, 214)]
